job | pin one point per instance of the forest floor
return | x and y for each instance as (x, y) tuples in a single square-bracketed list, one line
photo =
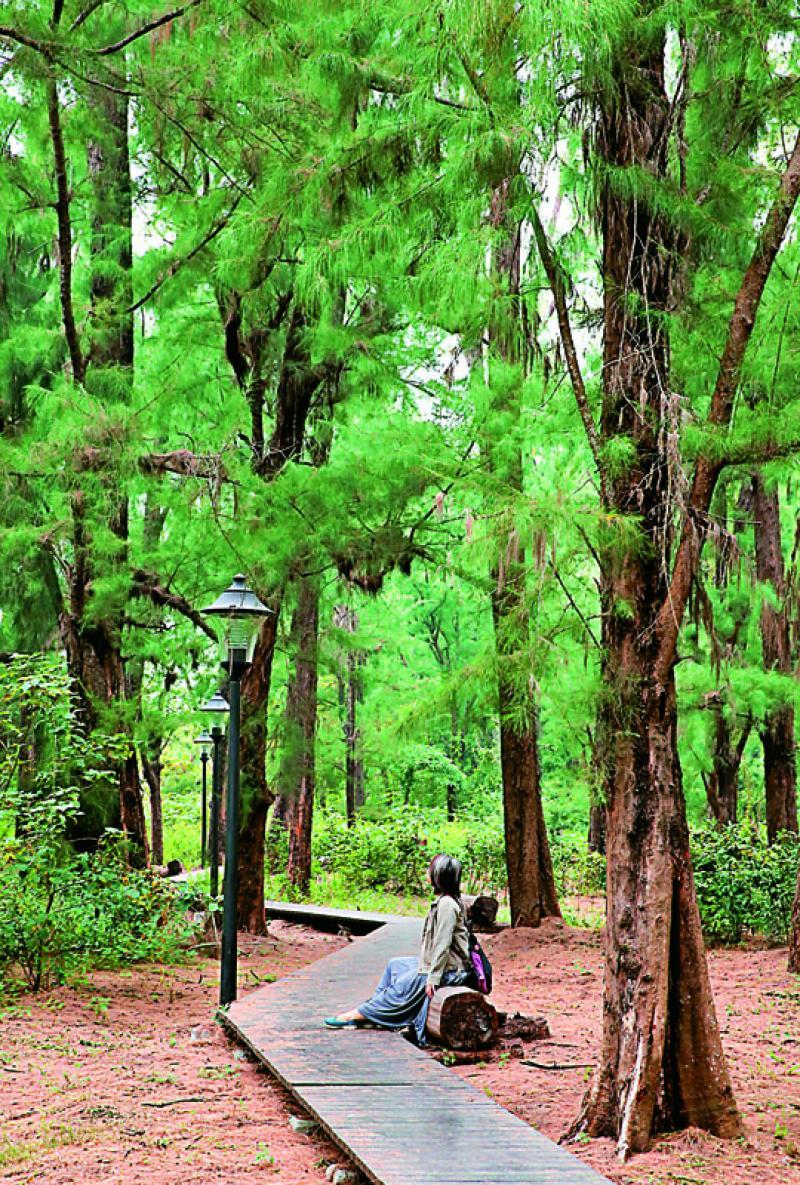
[(556, 971), (125, 1079)]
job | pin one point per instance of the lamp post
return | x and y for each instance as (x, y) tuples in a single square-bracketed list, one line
[(242, 612), (217, 709), (205, 742)]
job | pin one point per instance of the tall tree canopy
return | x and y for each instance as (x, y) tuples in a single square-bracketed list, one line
[(467, 332)]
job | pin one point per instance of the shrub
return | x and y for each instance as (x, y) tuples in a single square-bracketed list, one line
[(392, 853), (744, 885), (62, 916), (576, 869), (61, 912)]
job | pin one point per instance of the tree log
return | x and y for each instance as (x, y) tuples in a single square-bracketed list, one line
[(462, 1019), (481, 912)]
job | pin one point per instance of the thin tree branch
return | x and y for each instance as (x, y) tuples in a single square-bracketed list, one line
[(64, 233), (556, 282), (177, 264), (148, 28), (146, 584), (41, 47), (568, 595), (87, 12), (707, 471)]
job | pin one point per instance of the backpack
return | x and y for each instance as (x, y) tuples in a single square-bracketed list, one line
[(481, 967)]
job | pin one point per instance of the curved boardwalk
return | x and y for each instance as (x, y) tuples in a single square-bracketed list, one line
[(402, 1117)]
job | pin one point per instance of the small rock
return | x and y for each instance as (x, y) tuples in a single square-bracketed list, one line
[(200, 1035), (344, 1176), (305, 1126), (330, 1170)]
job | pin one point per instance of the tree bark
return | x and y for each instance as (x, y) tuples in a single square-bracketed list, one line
[(531, 885), (794, 931), (599, 776), (777, 732), (151, 766), (256, 796), (94, 647), (301, 726), (722, 784), (351, 694), (298, 382), (661, 1064), (597, 827)]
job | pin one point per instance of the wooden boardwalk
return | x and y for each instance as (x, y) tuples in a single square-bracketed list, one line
[(332, 921), (400, 1116)]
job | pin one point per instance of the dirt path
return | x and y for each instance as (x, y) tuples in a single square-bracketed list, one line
[(127, 1079), (557, 971)]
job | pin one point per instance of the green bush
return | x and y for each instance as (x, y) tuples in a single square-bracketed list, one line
[(576, 869), (392, 853), (60, 912), (744, 885), (62, 916)]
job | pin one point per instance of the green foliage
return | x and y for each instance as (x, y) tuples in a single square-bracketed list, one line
[(58, 918), (745, 886), (577, 870), (393, 853), (61, 912)]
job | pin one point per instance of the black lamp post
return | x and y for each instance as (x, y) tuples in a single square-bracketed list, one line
[(242, 613), (217, 708), (205, 742)]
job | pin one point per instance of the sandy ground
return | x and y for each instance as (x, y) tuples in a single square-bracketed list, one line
[(557, 972), (126, 1079)]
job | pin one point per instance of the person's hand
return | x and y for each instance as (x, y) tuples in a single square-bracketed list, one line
[(429, 990)]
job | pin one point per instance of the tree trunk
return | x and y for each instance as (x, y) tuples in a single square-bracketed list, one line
[(151, 766), (481, 911), (298, 380), (661, 1064), (94, 651), (777, 732), (722, 784), (531, 885), (351, 694), (301, 721), (597, 827), (794, 931), (598, 779), (256, 796)]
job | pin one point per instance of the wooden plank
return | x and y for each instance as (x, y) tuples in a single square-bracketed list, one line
[(325, 917), (390, 1107)]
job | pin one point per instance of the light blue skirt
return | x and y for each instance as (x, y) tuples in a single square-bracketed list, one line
[(399, 1001)]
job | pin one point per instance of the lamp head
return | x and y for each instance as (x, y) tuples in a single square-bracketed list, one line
[(242, 613), (217, 708), (205, 742)]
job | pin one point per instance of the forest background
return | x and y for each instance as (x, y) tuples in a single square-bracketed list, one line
[(468, 333)]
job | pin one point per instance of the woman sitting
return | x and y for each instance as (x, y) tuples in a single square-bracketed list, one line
[(406, 989)]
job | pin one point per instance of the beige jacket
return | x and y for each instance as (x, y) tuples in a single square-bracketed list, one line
[(445, 940)]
